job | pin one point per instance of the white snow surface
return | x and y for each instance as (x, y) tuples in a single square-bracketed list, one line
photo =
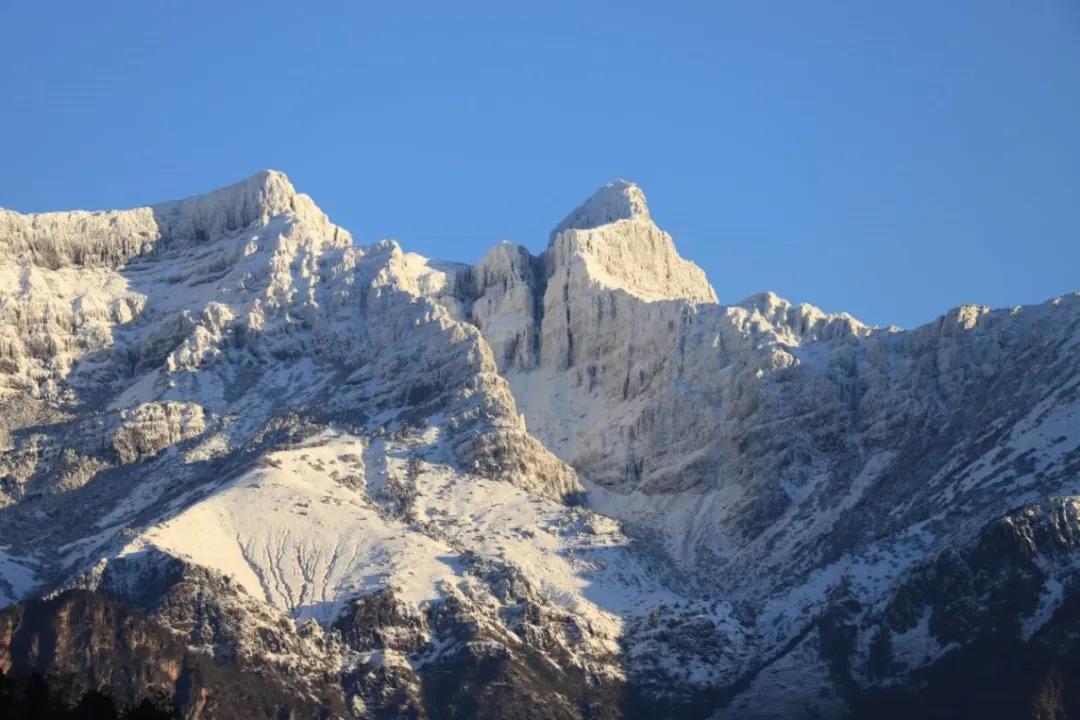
[(306, 531), (231, 381)]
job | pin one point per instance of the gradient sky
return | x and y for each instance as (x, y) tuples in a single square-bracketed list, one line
[(891, 159)]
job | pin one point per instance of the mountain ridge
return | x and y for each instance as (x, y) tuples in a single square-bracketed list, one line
[(356, 470)]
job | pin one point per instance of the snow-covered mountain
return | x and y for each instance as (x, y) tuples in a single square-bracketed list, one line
[(254, 469)]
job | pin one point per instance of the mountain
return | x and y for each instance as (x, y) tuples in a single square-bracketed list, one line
[(250, 468)]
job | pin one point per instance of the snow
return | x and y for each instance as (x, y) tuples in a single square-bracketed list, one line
[(579, 559), (391, 422), (310, 529), (619, 200), (290, 532), (918, 647), (17, 578), (633, 256), (1050, 599)]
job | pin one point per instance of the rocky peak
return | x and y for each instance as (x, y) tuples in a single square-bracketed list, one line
[(796, 323), (256, 199), (112, 238), (223, 424), (607, 251), (507, 308), (619, 200), (612, 243)]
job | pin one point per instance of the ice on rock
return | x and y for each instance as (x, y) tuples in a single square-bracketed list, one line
[(611, 242), (152, 427), (743, 436), (619, 200), (229, 393), (502, 292), (605, 254), (112, 238), (803, 322)]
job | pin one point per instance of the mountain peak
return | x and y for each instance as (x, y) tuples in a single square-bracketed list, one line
[(619, 200), (265, 193), (272, 185), (637, 257), (114, 237)]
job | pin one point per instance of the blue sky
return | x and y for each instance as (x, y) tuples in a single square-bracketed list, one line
[(892, 159)]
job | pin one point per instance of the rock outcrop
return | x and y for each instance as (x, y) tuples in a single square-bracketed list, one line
[(244, 460)]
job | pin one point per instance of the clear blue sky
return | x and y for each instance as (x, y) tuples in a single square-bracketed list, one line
[(891, 159)]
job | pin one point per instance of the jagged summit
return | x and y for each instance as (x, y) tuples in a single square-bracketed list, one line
[(269, 190), (636, 257), (259, 197), (273, 187), (798, 322), (112, 238), (269, 178), (619, 200), (388, 485)]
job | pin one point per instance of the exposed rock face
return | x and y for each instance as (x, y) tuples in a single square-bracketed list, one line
[(530, 308), (91, 643), (616, 201), (769, 445), (114, 238), (612, 241), (151, 427), (235, 445), (503, 292)]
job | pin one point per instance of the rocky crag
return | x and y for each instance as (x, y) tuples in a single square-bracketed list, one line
[(249, 468)]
